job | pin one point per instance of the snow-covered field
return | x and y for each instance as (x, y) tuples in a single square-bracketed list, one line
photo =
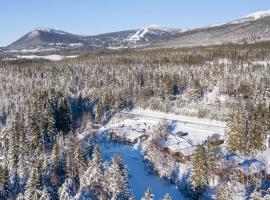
[(53, 57)]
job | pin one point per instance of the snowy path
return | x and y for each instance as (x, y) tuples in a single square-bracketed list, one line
[(140, 177)]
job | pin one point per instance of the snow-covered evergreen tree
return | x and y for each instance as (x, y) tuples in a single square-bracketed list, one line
[(98, 112), (32, 191), (90, 147), (148, 194), (199, 170), (67, 190), (94, 175), (116, 180), (167, 197), (45, 194)]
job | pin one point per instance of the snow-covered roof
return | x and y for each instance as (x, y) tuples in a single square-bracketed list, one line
[(178, 144), (247, 166), (251, 166), (128, 134)]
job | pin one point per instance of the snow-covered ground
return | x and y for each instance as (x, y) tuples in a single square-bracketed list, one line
[(198, 129), (140, 176), (139, 120)]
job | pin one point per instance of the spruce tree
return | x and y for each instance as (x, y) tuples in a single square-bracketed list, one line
[(199, 171), (79, 159), (167, 197), (98, 112), (32, 192), (45, 194), (246, 131), (235, 138), (114, 180), (7, 186), (148, 194), (95, 172), (90, 147), (2, 181), (56, 155), (67, 190)]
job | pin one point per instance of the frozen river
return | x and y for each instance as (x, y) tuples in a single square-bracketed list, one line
[(140, 177)]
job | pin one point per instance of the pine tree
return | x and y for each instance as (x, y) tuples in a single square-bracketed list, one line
[(125, 190), (67, 190), (64, 120), (51, 130), (106, 101), (98, 112), (199, 170), (196, 91), (94, 174), (13, 153), (213, 156), (235, 138), (70, 155), (7, 187), (36, 139), (45, 194), (114, 180), (246, 131), (256, 195), (167, 197), (56, 155), (148, 194), (32, 192), (226, 191), (79, 159), (2, 181), (23, 155), (257, 133), (90, 147)]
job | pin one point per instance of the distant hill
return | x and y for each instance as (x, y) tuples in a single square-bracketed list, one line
[(252, 28)]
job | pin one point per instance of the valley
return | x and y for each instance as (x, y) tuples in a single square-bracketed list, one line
[(150, 113)]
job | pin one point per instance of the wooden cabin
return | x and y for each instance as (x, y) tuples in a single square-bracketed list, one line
[(180, 149)]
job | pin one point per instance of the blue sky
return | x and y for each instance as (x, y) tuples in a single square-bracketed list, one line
[(91, 17)]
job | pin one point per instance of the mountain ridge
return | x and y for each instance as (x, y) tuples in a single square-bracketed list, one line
[(251, 28)]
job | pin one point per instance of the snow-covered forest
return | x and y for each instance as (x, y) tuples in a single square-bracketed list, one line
[(54, 114)]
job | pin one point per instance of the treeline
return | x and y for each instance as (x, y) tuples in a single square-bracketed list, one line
[(177, 79)]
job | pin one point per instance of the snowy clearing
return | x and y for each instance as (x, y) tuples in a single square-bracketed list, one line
[(54, 57), (198, 129)]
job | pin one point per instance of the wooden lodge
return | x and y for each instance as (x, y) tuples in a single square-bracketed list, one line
[(180, 149)]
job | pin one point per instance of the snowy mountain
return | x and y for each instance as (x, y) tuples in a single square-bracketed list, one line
[(43, 39), (251, 28), (252, 17), (47, 39)]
